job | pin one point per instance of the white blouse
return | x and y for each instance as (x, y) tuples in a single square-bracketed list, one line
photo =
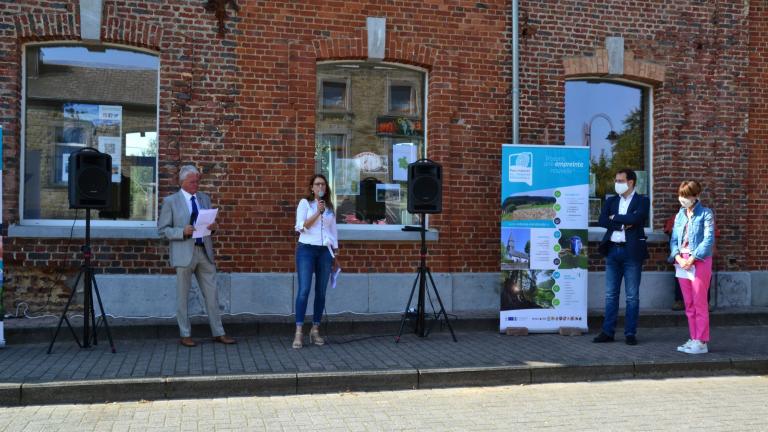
[(319, 234)]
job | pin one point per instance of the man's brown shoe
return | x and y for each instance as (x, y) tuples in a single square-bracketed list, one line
[(188, 342), (226, 340)]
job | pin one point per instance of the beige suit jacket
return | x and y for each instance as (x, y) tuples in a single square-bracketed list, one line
[(174, 216)]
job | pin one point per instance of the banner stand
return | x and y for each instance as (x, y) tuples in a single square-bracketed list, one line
[(544, 238)]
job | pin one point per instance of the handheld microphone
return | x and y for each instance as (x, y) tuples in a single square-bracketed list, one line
[(320, 195)]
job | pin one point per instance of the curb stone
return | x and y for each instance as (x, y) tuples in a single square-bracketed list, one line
[(120, 390)]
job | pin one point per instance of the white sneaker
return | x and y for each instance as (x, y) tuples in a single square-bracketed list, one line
[(696, 347), (685, 346)]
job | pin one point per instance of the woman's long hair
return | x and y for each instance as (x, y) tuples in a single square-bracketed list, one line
[(328, 193)]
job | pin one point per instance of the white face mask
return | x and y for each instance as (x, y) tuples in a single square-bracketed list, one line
[(620, 188), (686, 202)]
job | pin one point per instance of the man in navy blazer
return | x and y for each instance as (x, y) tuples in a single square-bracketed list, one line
[(624, 216)]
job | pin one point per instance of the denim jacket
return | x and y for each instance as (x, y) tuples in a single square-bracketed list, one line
[(701, 232)]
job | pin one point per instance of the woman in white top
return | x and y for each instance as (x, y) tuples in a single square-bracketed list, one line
[(315, 254)]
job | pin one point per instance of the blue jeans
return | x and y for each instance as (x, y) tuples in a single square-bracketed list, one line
[(619, 265), (312, 260)]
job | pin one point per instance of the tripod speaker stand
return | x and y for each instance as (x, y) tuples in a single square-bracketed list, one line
[(89, 288), (89, 187), (422, 273)]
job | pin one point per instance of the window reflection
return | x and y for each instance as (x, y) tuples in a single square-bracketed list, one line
[(401, 99), (365, 149), (610, 118), (334, 95), (104, 99)]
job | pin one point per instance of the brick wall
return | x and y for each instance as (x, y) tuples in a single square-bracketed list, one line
[(757, 141), (700, 110), (242, 107)]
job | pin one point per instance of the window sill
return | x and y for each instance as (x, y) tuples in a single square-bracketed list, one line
[(35, 231), (596, 234), (383, 233)]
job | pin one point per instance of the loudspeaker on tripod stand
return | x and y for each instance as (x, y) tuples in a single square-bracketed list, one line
[(425, 195), (89, 188), (90, 174), (425, 187)]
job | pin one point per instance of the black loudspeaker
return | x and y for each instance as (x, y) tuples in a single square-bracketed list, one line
[(90, 173), (425, 187)]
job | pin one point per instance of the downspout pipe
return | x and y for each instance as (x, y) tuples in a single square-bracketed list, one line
[(515, 73)]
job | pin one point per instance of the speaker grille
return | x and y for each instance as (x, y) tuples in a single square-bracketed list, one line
[(90, 179), (425, 188), (93, 183)]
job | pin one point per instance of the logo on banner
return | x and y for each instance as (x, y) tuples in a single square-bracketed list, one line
[(521, 168)]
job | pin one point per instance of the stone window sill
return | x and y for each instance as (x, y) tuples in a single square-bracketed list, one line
[(383, 233), (99, 232)]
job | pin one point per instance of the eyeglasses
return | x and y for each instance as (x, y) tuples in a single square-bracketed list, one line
[(318, 184)]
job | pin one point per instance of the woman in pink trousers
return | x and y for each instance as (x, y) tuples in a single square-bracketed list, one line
[(691, 245)]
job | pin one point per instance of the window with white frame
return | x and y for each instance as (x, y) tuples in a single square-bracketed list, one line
[(334, 94), (77, 97), (613, 119), (368, 130), (403, 98)]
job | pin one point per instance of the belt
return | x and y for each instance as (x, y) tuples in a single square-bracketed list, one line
[(200, 245), (618, 244)]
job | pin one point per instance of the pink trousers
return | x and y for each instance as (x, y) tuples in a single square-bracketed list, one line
[(695, 297)]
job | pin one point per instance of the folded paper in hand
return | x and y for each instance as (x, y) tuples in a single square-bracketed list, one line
[(685, 274), (335, 277)]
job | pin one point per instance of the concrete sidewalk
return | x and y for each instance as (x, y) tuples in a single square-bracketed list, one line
[(159, 368)]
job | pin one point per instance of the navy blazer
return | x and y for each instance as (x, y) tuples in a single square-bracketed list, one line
[(637, 216)]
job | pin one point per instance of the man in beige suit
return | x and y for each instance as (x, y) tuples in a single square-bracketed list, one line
[(189, 255)]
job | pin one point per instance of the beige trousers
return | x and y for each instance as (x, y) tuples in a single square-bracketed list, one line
[(205, 273)]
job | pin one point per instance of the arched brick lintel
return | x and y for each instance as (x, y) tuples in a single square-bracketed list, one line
[(397, 50), (40, 27), (133, 32), (597, 65)]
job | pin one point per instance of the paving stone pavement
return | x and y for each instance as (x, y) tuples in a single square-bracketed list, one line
[(273, 354), (162, 368), (712, 404)]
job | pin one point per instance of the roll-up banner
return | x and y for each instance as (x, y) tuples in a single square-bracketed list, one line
[(544, 237)]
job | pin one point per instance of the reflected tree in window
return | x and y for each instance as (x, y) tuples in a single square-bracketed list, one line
[(610, 118), (626, 152)]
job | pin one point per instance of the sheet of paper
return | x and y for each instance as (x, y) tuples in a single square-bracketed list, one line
[(683, 273), (335, 277), (204, 218)]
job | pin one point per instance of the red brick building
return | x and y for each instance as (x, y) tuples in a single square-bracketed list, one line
[(258, 98)]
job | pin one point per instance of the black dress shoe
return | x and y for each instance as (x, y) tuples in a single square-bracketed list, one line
[(630, 340), (602, 337)]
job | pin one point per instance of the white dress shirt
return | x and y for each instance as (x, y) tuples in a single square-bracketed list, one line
[(188, 197), (319, 234), (620, 236)]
